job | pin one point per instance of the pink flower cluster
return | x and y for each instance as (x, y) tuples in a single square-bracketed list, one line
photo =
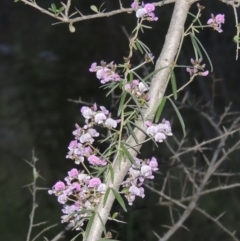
[(78, 194), (145, 11), (136, 175), (137, 89), (216, 22), (105, 72), (196, 67), (84, 137), (160, 131)]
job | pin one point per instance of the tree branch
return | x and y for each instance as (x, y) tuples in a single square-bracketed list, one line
[(157, 90)]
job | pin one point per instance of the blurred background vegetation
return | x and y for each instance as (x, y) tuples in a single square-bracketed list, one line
[(42, 66)]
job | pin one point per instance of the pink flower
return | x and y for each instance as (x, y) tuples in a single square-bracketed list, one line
[(96, 161), (216, 22), (73, 173), (153, 164), (134, 5), (220, 18), (149, 7), (59, 186), (94, 182), (93, 67)]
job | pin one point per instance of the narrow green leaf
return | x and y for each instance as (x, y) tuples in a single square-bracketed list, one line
[(111, 172), (160, 109), (139, 47), (16, 1), (154, 72), (173, 83), (114, 215), (122, 103), (132, 132), (134, 46), (119, 199), (106, 196), (94, 8), (209, 60), (144, 46), (61, 9), (197, 50), (128, 155), (143, 131), (131, 77), (53, 6), (179, 116), (88, 227), (138, 106)]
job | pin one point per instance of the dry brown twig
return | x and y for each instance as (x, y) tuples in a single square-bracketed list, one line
[(199, 177), (33, 189)]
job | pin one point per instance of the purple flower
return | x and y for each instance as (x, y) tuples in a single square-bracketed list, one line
[(87, 112), (73, 173), (220, 18), (94, 182), (149, 7), (159, 137), (59, 186), (216, 22), (96, 161), (100, 118), (111, 123), (93, 67), (134, 5), (62, 199), (86, 138), (153, 164), (146, 171), (141, 12), (102, 188)]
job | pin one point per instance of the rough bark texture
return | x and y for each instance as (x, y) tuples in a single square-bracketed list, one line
[(157, 90)]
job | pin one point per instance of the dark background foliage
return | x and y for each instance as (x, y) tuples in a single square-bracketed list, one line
[(42, 66)]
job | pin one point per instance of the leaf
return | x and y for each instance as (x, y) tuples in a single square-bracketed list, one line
[(197, 50), (139, 47), (114, 215), (61, 9), (122, 103), (160, 109), (128, 155), (154, 72), (132, 132), (88, 227), (236, 39), (53, 6), (138, 105), (111, 172), (131, 77), (179, 116), (119, 199), (106, 196), (94, 8), (173, 83), (143, 131), (209, 60)]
